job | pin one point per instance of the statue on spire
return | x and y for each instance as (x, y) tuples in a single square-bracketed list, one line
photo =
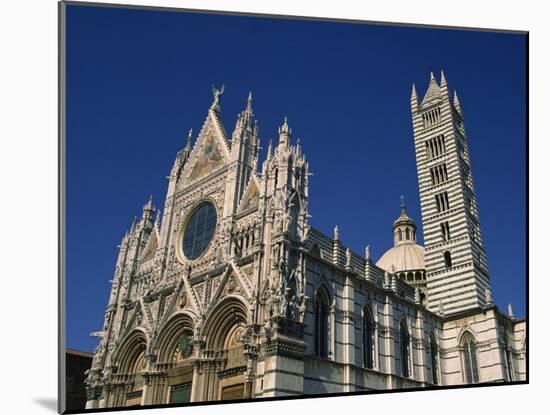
[(217, 92)]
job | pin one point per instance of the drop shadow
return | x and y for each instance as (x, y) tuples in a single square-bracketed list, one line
[(48, 403)]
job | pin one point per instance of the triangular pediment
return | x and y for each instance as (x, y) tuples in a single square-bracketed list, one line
[(135, 318), (232, 282), (150, 247), (178, 300), (210, 152), (251, 198)]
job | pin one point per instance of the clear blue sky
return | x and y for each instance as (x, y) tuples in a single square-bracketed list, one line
[(138, 80)]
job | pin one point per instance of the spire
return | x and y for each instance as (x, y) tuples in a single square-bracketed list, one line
[(298, 147), (284, 128), (433, 92), (443, 80), (269, 150), (249, 103), (285, 133), (414, 99), (149, 204), (148, 210), (245, 121), (402, 205), (456, 103)]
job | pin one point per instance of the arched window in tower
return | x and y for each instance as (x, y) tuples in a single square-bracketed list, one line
[(322, 314), (407, 234), (368, 338), (400, 233), (447, 259), (434, 356), (276, 180), (469, 356), (404, 343), (445, 231)]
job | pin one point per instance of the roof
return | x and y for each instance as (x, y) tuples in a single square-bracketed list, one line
[(407, 256), (403, 219), (433, 93)]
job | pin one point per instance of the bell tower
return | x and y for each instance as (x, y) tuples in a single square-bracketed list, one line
[(456, 263)]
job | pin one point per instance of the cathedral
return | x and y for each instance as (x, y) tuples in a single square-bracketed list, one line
[(229, 293)]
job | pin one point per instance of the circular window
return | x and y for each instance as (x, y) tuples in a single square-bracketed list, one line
[(199, 231)]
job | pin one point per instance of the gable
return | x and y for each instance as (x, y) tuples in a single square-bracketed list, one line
[(232, 282), (210, 152), (209, 159), (150, 248), (251, 196)]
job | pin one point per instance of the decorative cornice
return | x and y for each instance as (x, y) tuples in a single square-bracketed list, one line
[(231, 372), (290, 349)]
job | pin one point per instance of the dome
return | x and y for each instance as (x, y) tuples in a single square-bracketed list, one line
[(406, 256)]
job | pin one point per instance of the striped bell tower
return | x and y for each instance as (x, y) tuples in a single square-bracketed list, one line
[(456, 263)]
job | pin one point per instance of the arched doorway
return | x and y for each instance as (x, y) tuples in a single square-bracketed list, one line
[(131, 368), (175, 359), (224, 331)]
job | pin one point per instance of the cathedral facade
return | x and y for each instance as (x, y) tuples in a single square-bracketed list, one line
[(231, 294)]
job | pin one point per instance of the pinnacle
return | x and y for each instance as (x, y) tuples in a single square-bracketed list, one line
[(149, 204), (456, 103), (190, 136), (443, 80), (249, 102)]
